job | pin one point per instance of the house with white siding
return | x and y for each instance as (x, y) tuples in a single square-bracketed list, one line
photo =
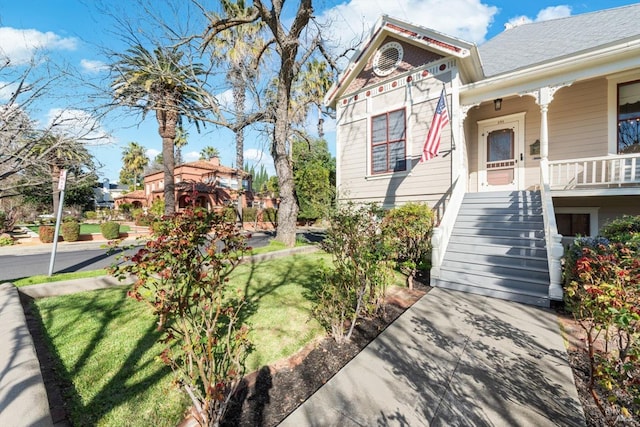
[(542, 141)]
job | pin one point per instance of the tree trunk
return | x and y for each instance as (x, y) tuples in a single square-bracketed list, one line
[(288, 208), (167, 121), (239, 97), (287, 46)]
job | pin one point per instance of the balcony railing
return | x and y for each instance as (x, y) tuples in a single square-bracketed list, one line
[(607, 171)]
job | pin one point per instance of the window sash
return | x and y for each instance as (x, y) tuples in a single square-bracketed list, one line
[(628, 117), (388, 142)]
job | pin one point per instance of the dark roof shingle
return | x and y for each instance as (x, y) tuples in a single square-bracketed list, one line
[(539, 42)]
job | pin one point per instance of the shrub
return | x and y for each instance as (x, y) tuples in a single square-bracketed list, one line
[(70, 230), (602, 290), (408, 230), (356, 286), (229, 214), (249, 214), (6, 240), (157, 208), (269, 215), (90, 215), (110, 230), (46, 232), (144, 219), (182, 275), (622, 229)]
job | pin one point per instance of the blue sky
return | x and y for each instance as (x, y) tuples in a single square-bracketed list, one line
[(75, 32)]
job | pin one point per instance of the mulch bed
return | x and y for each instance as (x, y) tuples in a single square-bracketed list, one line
[(272, 393)]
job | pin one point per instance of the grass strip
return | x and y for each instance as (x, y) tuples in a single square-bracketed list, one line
[(43, 278), (106, 343)]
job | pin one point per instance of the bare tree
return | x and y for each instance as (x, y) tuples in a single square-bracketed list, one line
[(28, 149), (293, 49)]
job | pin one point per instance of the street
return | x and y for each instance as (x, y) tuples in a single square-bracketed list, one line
[(16, 266)]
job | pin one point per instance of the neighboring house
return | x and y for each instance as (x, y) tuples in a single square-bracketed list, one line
[(105, 195), (212, 184), (542, 141)]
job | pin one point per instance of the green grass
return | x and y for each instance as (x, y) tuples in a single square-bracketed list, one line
[(273, 246), (35, 280), (106, 342), (86, 228)]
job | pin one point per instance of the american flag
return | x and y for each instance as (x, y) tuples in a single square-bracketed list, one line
[(440, 120)]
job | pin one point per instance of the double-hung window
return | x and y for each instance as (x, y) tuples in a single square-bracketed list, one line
[(629, 117), (388, 142)]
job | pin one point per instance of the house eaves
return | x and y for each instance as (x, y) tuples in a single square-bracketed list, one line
[(603, 60), (465, 52)]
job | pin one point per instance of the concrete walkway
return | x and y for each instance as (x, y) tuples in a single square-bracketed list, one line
[(454, 359)]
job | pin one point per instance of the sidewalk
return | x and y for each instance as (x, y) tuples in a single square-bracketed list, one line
[(454, 359)]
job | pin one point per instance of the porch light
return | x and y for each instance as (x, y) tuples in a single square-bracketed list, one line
[(497, 104)]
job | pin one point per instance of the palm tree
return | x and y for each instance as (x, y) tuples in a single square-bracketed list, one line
[(314, 82), (236, 48), (159, 81), (134, 160), (209, 152), (56, 152)]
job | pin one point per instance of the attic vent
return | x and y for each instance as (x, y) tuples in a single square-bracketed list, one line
[(387, 59)]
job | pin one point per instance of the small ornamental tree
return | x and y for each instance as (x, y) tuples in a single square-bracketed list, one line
[(356, 285), (408, 230), (182, 273), (603, 293)]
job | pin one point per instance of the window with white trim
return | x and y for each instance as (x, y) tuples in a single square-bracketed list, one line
[(388, 142), (577, 221), (629, 117)]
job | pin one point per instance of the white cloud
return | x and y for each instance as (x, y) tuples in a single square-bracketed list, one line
[(152, 153), (551, 12), (191, 156), (257, 158), (470, 21), (91, 66), (21, 45), (78, 124)]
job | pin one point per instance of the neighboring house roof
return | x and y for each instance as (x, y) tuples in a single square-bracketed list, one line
[(138, 194), (536, 43), (204, 165)]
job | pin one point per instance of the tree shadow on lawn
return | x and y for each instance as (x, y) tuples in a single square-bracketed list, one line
[(118, 390), (252, 397)]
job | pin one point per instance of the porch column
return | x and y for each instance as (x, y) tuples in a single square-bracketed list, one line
[(543, 97)]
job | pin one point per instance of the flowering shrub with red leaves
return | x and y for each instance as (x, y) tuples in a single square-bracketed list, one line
[(602, 289), (182, 273)]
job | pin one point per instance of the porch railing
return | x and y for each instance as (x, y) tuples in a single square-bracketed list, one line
[(553, 239), (442, 233), (606, 171)]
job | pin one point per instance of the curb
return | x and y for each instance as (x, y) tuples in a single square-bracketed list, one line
[(23, 397)]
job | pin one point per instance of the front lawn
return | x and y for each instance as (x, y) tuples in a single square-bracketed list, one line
[(106, 342)]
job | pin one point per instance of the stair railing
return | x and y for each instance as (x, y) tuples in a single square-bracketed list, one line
[(442, 233), (555, 251)]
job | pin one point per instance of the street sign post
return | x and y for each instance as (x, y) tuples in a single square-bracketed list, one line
[(62, 183)]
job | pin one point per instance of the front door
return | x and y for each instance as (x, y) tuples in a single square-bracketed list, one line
[(501, 153)]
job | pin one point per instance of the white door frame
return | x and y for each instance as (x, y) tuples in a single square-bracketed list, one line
[(515, 122)]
